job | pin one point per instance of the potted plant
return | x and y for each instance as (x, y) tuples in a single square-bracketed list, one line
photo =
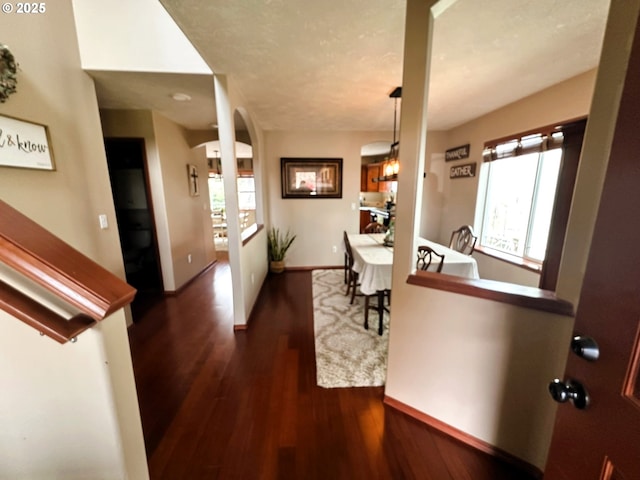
[(278, 244)]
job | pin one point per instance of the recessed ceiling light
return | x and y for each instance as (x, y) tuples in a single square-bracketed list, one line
[(181, 97)]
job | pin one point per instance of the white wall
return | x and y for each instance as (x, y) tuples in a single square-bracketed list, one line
[(67, 411), (160, 45)]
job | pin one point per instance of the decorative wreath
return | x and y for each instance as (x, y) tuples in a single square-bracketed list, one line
[(8, 70)]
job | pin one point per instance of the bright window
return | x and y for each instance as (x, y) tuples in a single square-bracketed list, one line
[(246, 193), (519, 193)]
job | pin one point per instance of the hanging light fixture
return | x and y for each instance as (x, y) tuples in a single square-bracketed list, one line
[(217, 162), (393, 166)]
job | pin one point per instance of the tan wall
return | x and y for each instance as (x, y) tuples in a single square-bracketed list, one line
[(189, 218), (564, 101), (433, 185), (318, 223), (478, 365), (183, 222), (248, 260), (67, 411)]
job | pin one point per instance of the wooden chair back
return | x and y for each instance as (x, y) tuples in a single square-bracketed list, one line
[(348, 251), (427, 256), (375, 227), (463, 240)]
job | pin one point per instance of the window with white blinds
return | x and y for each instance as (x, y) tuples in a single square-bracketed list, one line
[(518, 182)]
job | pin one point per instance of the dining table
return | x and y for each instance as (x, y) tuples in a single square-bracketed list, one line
[(373, 261)]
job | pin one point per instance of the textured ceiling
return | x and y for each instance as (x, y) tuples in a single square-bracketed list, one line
[(153, 91), (330, 65)]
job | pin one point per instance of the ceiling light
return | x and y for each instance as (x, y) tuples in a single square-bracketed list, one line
[(214, 125), (181, 97)]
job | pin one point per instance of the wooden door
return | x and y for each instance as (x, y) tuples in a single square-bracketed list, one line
[(602, 441)]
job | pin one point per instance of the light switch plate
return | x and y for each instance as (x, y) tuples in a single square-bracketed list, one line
[(104, 223)]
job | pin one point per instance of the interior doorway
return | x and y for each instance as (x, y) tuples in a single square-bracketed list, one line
[(128, 175)]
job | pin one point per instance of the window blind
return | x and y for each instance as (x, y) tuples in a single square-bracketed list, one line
[(522, 145)]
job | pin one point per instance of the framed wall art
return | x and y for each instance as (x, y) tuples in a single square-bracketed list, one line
[(311, 177), (24, 145)]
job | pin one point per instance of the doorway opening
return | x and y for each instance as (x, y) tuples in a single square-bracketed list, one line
[(129, 179), (246, 188)]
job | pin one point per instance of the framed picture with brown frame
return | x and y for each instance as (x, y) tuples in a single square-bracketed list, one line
[(311, 177)]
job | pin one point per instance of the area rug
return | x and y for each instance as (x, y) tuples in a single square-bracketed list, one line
[(347, 355)]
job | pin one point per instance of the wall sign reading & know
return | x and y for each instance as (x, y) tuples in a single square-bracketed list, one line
[(24, 145)]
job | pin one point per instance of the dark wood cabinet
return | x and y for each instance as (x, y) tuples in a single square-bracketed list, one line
[(365, 218)]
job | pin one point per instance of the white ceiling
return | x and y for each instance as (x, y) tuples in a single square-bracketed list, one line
[(331, 65)]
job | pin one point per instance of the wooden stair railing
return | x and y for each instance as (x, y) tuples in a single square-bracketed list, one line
[(36, 254)]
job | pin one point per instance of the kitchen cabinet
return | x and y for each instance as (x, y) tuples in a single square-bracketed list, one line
[(371, 175), (365, 218), (373, 172), (384, 186)]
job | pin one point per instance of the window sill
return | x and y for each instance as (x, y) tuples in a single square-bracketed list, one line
[(250, 232), (512, 259)]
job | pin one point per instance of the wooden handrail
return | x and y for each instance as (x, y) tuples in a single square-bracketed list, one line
[(39, 317), (37, 254)]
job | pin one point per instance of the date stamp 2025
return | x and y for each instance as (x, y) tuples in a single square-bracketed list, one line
[(24, 8)]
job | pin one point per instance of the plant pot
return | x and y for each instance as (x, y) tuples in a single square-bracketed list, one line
[(276, 266)]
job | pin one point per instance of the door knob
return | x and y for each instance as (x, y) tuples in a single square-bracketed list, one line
[(569, 390), (585, 347)]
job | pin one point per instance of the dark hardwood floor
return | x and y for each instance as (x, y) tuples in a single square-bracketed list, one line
[(219, 405)]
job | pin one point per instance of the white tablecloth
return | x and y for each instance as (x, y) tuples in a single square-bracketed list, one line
[(373, 261)]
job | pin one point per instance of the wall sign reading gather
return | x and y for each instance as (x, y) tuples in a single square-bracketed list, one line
[(463, 171), (24, 145)]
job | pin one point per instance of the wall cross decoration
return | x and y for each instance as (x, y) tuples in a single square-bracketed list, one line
[(194, 189)]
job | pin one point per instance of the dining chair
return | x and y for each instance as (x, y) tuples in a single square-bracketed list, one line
[(379, 307), (427, 256), (463, 240), (350, 275), (347, 255), (375, 227)]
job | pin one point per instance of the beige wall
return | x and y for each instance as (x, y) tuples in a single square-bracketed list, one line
[(188, 218), (248, 260), (318, 223), (183, 223), (67, 411), (567, 100), (478, 365), (433, 185)]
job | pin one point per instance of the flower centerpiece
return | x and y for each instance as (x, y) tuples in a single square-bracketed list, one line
[(278, 244)]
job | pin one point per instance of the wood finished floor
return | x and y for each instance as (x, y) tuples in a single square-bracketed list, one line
[(222, 405)]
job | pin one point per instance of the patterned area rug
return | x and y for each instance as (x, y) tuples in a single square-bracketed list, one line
[(347, 355)]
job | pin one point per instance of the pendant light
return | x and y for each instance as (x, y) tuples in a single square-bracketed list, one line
[(393, 166)]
